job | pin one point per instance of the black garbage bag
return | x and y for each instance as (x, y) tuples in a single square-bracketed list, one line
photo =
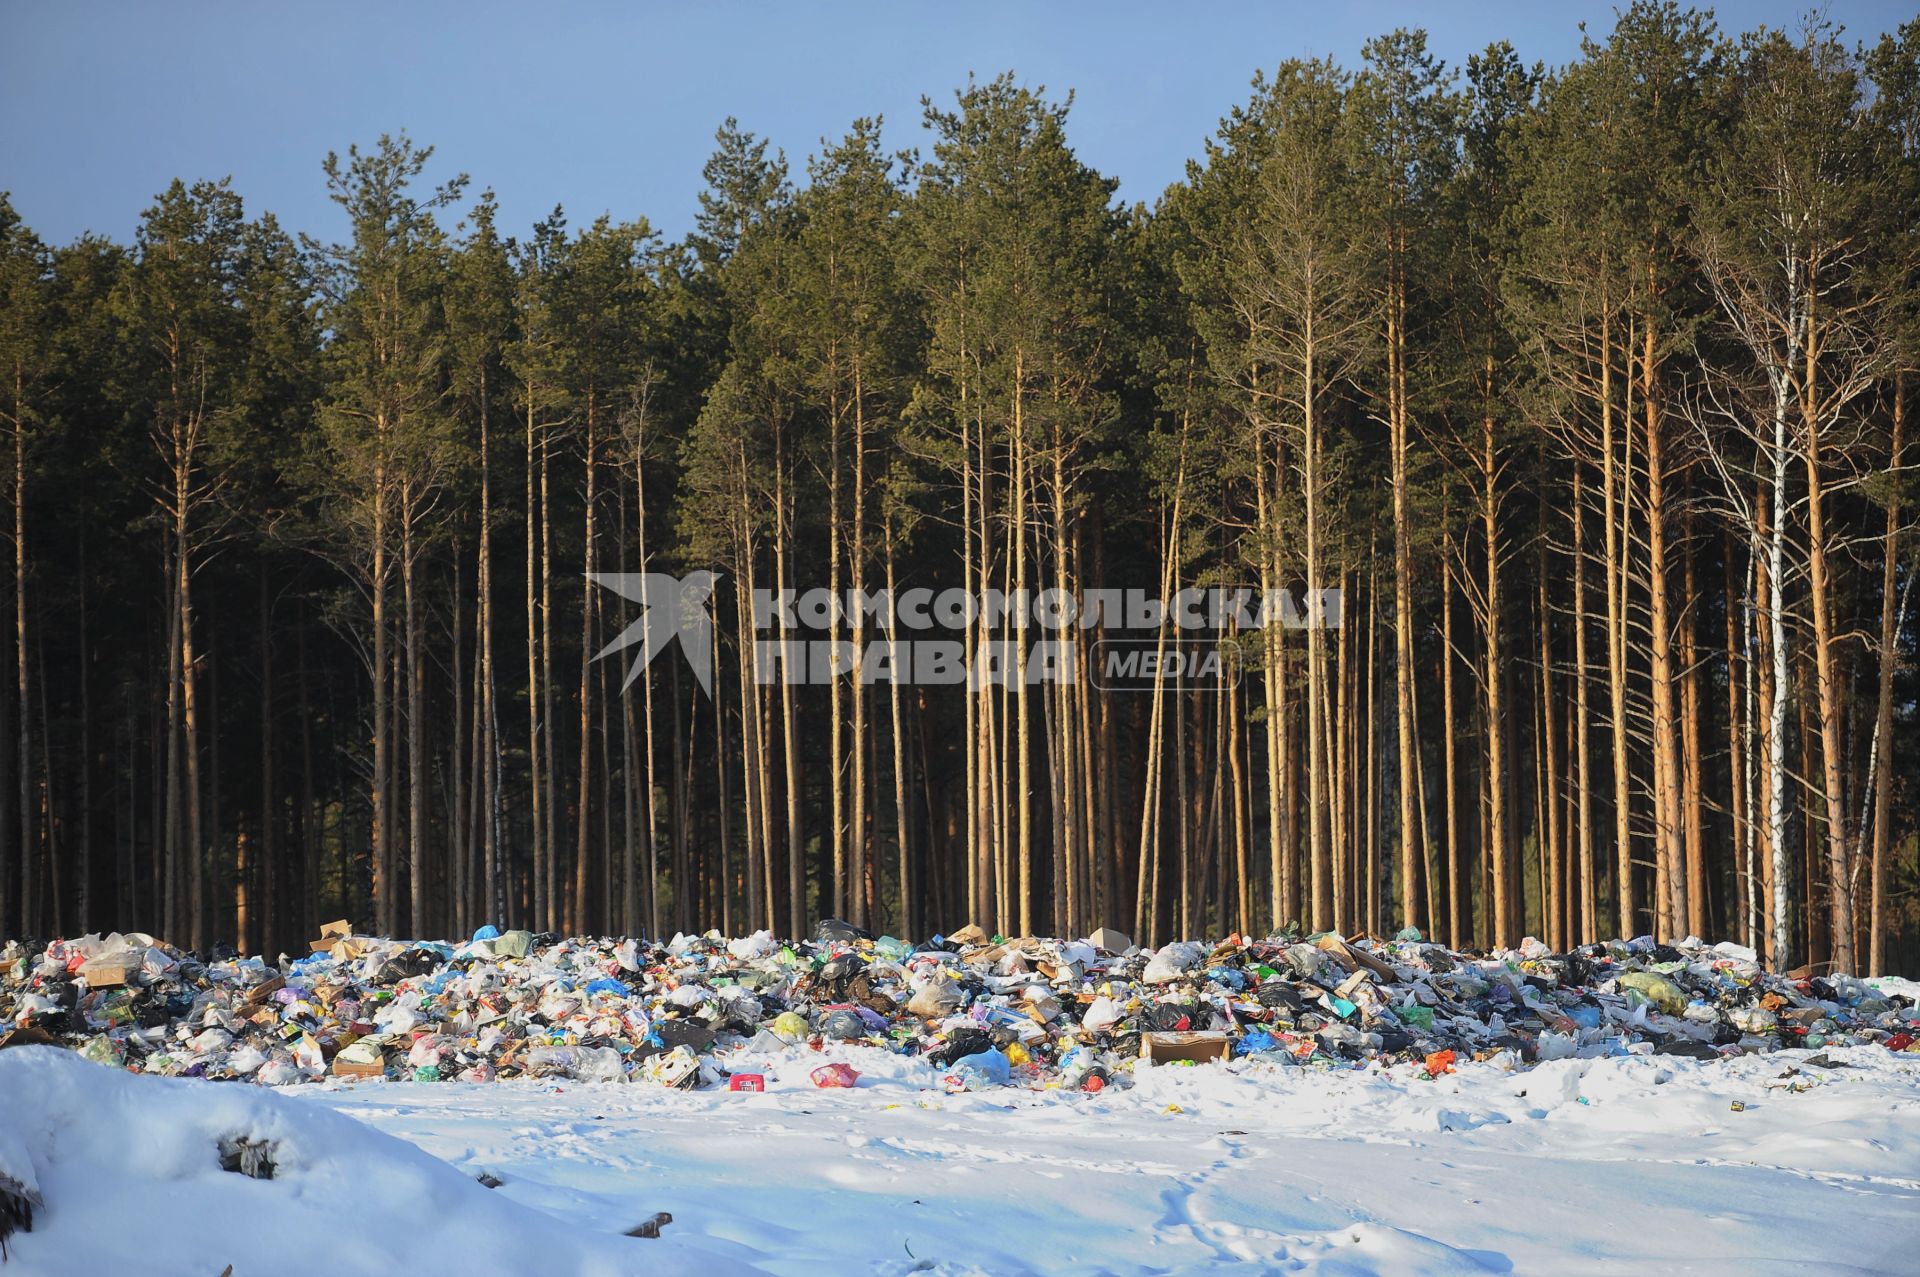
[(1578, 971), (959, 1044), (691, 1034), (1278, 993), (842, 968), (1175, 1017), (409, 965), (837, 930), (1392, 1039)]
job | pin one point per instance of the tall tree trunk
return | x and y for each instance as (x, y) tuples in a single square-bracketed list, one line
[(558, 914), (382, 834), (1775, 696), (1883, 716), (463, 758), (1367, 886), (1023, 726), (1456, 896), (190, 726), (1670, 888), (1319, 730), (418, 883), (583, 812), (909, 883), (1614, 509), (488, 726), (23, 759), (861, 841), (1693, 769), (683, 869), (1588, 929), (652, 840), (841, 894), (1739, 755), (1280, 891), (542, 911), (1146, 925), (308, 915), (10, 796), (790, 735), (724, 813), (1548, 831), (1501, 918), (1407, 730), (269, 798), (83, 899), (1827, 688)]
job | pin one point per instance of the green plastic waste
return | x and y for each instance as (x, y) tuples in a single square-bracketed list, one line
[(103, 1050)]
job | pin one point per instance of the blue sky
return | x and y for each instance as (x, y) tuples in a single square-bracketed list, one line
[(612, 107)]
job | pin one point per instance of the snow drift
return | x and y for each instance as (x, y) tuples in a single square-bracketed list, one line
[(129, 1173)]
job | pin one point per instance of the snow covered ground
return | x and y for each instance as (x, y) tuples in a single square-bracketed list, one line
[(1623, 1165)]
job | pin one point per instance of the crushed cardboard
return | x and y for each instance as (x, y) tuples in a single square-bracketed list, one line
[(1173, 1048)]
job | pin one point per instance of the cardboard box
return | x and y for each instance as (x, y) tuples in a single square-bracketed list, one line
[(331, 934), (261, 992), (1355, 959), (360, 1058), (1168, 1048), (1353, 983), (107, 973)]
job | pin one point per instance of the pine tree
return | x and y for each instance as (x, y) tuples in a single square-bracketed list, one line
[(384, 449), (24, 343)]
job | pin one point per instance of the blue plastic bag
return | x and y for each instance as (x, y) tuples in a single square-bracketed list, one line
[(984, 1068)]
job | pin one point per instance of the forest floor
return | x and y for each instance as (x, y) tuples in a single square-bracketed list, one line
[(1618, 1165)]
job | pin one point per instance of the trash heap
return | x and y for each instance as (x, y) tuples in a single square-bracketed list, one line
[(985, 1011)]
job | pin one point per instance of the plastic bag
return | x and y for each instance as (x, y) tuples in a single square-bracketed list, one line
[(830, 1077)]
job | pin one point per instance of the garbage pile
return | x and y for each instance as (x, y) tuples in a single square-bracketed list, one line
[(984, 1011)]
